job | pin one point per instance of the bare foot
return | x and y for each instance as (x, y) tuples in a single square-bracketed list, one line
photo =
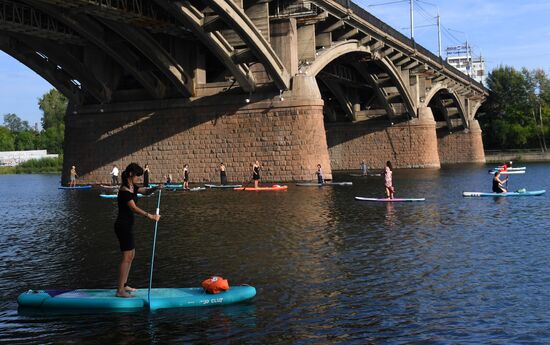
[(129, 289), (123, 294)]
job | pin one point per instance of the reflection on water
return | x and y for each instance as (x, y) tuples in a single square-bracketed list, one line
[(327, 269)]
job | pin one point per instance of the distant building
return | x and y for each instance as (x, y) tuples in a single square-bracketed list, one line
[(462, 58), (13, 158)]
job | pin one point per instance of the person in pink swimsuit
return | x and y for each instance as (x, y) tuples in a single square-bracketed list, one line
[(388, 183)]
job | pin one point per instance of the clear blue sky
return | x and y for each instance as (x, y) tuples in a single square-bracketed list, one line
[(508, 32)]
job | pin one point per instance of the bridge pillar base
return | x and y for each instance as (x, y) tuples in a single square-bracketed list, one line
[(465, 146), (411, 144), (288, 137)]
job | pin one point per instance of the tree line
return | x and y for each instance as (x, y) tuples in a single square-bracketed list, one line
[(17, 135), (516, 115)]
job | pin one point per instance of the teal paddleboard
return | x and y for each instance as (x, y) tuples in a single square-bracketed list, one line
[(526, 193), (104, 299), (223, 185), (114, 196)]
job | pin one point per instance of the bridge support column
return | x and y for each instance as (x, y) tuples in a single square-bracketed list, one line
[(465, 146), (287, 136), (411, 144)]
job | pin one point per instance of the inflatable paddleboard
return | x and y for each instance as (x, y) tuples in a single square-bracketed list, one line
[(76, 187), (361, 175), (223, 185), (389, 200), (526, 193), (325, 184), (168, 186), (510, 169), (114, 196), (104, 299), (508, 172), (274, 187), (109, 187), (195, 189)]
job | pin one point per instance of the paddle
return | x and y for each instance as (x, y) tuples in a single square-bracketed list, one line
[(153, 254), (246, 185)]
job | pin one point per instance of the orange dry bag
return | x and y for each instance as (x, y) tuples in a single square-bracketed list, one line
[(215, 285)]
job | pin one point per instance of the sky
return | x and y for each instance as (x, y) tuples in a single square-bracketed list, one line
[(506, 32)]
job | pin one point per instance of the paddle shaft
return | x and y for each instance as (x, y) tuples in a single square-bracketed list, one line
[(153, 254)]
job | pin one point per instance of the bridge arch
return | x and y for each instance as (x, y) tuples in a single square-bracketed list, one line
[(445, 102), (326, 56)]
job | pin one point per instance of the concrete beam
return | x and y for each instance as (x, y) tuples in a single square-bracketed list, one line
[(94, 32), (237, 19), (348, 34), (340, 96), (155, 53), (62, 57), (192, 18)]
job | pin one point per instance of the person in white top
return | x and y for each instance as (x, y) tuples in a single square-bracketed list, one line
[(114, 176)]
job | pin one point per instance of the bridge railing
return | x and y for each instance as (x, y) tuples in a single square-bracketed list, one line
[(364, 14)]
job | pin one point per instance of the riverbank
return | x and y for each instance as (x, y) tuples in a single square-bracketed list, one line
[(516, 156), (35, 166)]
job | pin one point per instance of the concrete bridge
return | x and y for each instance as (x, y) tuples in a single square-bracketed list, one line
[(289, 83)]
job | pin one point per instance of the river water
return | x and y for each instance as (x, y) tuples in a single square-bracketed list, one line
[(328, 269)]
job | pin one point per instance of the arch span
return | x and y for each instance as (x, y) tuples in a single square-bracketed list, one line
[(326, 56)]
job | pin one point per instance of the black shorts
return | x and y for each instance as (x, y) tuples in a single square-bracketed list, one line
[(125, 236)]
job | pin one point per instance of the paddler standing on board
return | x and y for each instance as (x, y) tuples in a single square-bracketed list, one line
[(186, 176), (127, 206), (388, 180), (319, 173), (498, 184), (223, 175), (72, 177), (256, 167)]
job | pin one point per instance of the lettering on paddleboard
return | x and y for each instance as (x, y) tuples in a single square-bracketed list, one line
[(212, 300)]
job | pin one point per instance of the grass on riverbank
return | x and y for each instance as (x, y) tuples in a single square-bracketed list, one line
[(36, 166)]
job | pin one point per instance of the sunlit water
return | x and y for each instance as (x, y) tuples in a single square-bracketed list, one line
[(328, 269)]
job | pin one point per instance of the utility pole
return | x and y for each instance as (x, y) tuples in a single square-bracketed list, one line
[(412, 19), (542, 128), (439, 31)]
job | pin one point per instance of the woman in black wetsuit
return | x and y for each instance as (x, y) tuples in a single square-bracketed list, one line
[(186, 176), (256, 173), (146, 176), (498, 185), (127, 200), (223, 175)]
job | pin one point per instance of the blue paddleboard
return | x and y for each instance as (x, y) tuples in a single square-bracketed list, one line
[(76, 187), (104, 299)]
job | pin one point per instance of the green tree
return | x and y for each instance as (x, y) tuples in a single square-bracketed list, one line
[(15, 124), (26, 140), (507, 117), (52, 139), (7, 142), (53, 105)]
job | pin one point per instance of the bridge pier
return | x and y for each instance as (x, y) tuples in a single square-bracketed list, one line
[(287, 136), (411, 144), (465, 146)]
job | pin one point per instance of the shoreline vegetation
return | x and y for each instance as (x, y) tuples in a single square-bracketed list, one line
[(36, 166)]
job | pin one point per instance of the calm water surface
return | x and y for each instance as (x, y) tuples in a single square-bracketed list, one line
[(328, 269)]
